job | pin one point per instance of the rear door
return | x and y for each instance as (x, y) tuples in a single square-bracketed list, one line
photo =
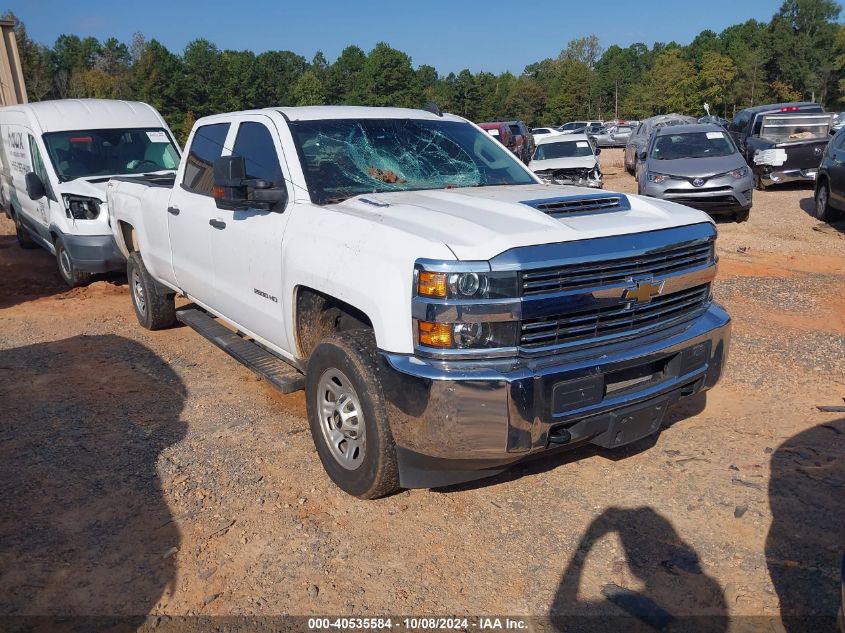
[(247, 248), (192, 211)]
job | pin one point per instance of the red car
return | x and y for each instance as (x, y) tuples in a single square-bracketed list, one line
[(502, 133)]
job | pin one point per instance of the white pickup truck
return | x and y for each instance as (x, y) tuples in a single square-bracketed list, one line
[(446, 313)]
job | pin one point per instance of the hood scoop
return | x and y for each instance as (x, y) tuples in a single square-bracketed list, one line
[(576, 205)]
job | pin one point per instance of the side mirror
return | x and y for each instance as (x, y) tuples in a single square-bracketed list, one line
[(643, 155), (35, 188), (233, 190), (598, 151)]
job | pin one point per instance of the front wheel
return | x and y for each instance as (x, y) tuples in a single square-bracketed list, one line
[(822, 209), (348, 417), (67, 268), (155, 305)]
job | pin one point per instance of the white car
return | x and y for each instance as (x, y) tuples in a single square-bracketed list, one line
[(446, 313), (577, 126), (542, 132), (57, 157), (567, 159)]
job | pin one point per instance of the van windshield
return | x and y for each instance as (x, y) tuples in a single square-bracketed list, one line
[(346, 157), (111, 152)]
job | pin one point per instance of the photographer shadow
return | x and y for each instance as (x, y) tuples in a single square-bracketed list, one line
[(676, 594), (87, 531)]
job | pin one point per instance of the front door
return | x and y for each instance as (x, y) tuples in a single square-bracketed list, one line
[(247, 246), (837, 171), (36, 213), (191, 213)]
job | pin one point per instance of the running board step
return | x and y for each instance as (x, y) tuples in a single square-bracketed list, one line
[(274, 370)]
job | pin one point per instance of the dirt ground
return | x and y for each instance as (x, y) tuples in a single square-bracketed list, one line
[(148, 473)]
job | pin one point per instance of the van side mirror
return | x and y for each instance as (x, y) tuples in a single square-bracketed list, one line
[(233, 190), (643, 155), (35, 188)]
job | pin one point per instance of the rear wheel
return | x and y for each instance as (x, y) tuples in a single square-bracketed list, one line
[(155, 305), (67, 269), (347, 415), (22, 235), (822, 209)]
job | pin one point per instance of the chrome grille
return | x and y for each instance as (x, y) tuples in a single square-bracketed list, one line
[(619, 319), (615, 271)]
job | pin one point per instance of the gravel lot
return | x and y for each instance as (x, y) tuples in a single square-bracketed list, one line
[(149, 474)]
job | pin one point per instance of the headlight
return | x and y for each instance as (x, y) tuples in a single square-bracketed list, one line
[(81, 207), (468, 285), (658, 178), (467, 335), (742, 172)]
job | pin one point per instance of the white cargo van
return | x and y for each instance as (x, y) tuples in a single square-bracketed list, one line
[(57, 157)]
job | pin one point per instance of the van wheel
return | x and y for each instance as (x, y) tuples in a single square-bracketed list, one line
[(24, 239), (347, 415), (67, 269), (155, 305)]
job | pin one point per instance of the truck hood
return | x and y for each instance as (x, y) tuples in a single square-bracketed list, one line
[(585, 162), (697, 167), (481, 222)]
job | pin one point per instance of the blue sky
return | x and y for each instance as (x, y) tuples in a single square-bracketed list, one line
[(447, 35)]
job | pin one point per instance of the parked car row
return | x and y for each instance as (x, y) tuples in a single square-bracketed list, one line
[(397, 265), (715, 165)]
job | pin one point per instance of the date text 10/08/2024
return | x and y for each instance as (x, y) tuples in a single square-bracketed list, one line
[(423, 623)]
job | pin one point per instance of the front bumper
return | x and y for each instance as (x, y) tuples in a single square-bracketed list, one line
[(94, 253), (715, 196), (456, 421)]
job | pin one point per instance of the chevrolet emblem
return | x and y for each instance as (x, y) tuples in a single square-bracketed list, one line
[(644, 292)]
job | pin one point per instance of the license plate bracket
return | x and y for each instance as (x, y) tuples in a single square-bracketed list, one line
[(633, 423)]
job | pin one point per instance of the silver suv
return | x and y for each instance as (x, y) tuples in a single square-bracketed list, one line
[(698, 166)]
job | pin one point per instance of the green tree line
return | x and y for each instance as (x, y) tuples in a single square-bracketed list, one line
[(798, 54)]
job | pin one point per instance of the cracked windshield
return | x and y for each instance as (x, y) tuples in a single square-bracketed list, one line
[(344, 158)]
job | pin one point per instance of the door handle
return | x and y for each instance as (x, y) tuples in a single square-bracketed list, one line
[(173, 210), (217, 224)]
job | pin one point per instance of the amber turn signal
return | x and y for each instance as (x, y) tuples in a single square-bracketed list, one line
[(435, 334), (432, 284)]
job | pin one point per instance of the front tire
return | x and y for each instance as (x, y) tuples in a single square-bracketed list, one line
[(348, 417), (67, 268), (742, 216), (822, 209), (155, 305)]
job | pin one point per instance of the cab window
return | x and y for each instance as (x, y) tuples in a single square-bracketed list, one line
[(206, 147), (255, 143)]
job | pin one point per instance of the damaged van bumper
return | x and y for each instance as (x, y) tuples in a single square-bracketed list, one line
[(94, 253), (455, 421)]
